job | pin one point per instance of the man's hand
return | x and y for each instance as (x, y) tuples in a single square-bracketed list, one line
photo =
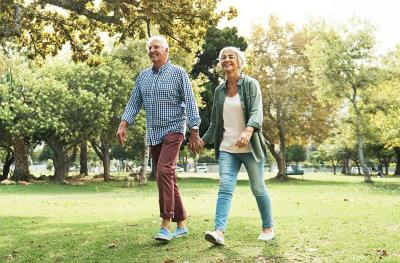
[(121, 133), (195, 143), (244, 138)]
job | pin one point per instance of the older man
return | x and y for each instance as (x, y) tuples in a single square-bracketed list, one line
[(167, 96)]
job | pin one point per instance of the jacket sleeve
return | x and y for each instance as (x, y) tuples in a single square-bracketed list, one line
[(208, 137), (256, 107)]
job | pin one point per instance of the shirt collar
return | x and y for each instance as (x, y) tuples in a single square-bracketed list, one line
[(163, 67)]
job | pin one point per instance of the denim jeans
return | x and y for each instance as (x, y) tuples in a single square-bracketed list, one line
[(229, 165)]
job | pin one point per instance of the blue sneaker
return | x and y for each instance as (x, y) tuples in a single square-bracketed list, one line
[(180, 231), (164, 235)]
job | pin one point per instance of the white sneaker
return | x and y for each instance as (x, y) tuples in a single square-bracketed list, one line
[(213, 237), (266, 236)]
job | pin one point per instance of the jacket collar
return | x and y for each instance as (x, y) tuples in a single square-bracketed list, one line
[(239, 82)]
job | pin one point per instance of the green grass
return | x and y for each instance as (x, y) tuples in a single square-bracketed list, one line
[(324, 218)]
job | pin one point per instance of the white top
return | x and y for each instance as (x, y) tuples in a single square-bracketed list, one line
[(234, 125)]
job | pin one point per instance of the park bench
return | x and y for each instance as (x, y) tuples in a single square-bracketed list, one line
[(294, 170)]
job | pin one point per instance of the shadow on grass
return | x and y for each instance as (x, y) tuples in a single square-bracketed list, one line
[(86, 188), (388, 187), (45, 241)]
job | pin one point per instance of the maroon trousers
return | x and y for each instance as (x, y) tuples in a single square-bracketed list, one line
[(165, 156)]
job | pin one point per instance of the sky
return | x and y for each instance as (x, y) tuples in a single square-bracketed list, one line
[(382, 14)]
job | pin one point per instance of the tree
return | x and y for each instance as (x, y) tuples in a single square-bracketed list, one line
[(110, 80), (8, 157), (293, 112), (44, 26), (382, 107), (58, 114), (207, 58), (295, 153), (83, 158), (13, 110), (342, 61)]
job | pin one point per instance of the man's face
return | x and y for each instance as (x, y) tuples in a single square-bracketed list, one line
[(157, 53)]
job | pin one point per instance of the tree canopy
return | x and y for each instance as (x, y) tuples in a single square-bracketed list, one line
[(42, 27)]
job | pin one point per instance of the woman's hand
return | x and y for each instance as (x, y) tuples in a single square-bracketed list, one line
[(244, 138)]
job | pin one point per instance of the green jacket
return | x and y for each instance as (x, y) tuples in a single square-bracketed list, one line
[(250, 97)]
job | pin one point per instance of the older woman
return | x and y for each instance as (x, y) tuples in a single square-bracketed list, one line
[(235, 130)]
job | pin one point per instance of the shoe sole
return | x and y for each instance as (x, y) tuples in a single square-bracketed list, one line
[(181, 235), (211, 239), (162, 239)]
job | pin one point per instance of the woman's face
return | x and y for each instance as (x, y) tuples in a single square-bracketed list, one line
[(229, 61)]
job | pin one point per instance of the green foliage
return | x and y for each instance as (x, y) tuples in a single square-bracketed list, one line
[(45, 154), (43, 27), (342, 58), (295, 153), (215, 40), (207, 156)]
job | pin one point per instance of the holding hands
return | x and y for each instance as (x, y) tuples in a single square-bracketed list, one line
[(196, 144)]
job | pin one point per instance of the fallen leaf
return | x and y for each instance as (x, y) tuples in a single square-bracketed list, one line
[(169, 261), (381, 252), (112, 245)]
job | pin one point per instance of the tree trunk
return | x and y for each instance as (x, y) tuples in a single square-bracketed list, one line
[(62, 161), (83, 159), (105, 150), (144, 162), (334, 169), (344, 164), (397, 152), (346, 169), (386, 164), (7, 164), (21, 171), (279, 160), (282, 152), (359, 135), (61, 166)]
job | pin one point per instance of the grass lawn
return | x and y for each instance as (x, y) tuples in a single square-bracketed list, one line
[(323, 218)]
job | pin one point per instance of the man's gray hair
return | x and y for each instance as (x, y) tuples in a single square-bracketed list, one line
[(239, 54), (161, 39)]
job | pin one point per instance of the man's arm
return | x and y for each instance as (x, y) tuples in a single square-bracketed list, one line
[(131, 110), (193, 115)]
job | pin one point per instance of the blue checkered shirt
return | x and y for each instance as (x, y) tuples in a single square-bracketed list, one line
[(167, 97)]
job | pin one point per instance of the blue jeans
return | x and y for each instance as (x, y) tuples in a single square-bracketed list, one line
[(229, 165)]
